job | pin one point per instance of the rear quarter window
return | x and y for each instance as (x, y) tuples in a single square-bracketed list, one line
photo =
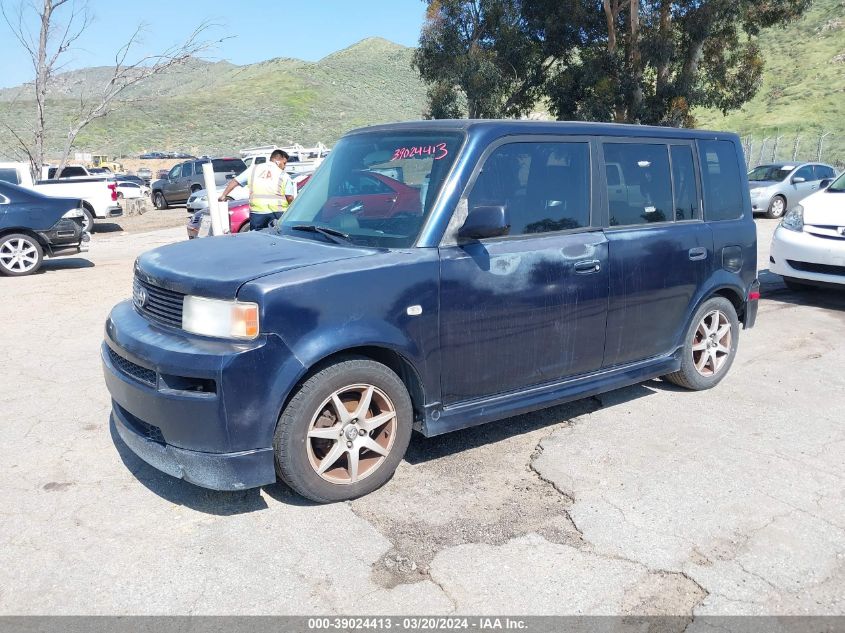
[(10, 175), (723, 195), (225, 165)]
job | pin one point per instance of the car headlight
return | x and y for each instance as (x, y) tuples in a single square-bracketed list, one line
[(219, 318), (794, 220), (73, 213)]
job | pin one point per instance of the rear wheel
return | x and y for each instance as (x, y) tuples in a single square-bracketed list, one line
[(344, 432), (777, 207), (244, 227), (710, 346), (87, 220), (20, 255)]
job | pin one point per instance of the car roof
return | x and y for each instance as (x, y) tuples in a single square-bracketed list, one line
[(508, 127)]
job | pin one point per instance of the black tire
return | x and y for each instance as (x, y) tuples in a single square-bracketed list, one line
[(777, 208), (159, 201), (796, 285), (20, 243), (195, 188), (244, 227), (88, 220), (295, 451), (713, 370)]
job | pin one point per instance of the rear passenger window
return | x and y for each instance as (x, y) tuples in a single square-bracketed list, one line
[(823, 172), (187, 170), (683, 183), (723, 195), (544, 186), (643, 189)]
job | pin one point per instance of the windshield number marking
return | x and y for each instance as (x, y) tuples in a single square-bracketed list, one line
[(439, 152)]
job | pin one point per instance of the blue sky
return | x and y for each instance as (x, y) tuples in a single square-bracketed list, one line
[(261, 29)]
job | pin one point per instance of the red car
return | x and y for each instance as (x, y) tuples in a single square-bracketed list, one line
[(239, 209), (381, 196)]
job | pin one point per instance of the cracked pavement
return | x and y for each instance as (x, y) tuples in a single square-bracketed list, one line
[(649, 500)]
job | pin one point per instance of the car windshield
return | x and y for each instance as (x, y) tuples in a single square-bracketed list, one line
[(770, 172), (375, 188), (838, 185)]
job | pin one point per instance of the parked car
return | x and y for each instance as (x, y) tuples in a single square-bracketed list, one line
[(152, 156), (162, 173), (313, 350), (145, 174), (33, 226), (130, 178), (808, 248), (98, 194), (126, 189), (199, 199), (186, 178), (238, 219), (778, 187)]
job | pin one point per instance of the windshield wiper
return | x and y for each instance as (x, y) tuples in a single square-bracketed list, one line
[(332, 234)]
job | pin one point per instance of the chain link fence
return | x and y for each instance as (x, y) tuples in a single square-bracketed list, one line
[(822, 147)]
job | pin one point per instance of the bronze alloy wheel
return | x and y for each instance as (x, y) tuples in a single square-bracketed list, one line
[(351, 434), (711, 345)]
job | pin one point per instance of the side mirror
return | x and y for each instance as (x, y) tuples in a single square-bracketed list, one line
[(797, 180), (485, 221), (825, 183)]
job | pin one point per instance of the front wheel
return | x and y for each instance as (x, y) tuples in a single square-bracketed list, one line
[(344, 432), (159, 201), (20, 255), (710, 346), (777, 207), (87, 220)]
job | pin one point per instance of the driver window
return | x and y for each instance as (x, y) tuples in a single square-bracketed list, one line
[(174, 173)]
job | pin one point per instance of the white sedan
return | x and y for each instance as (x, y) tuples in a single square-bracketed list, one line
[(126, 189), (199, 199), (808, 248)]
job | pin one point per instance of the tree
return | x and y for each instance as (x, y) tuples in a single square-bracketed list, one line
[(56, 37), (629, 61), (476, 54), (656, 60)]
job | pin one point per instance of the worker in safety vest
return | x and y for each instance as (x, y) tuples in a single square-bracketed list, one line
[(270, 190)]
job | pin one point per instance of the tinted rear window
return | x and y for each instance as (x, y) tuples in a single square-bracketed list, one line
[(10, 175), (228, 165), (723, 194)]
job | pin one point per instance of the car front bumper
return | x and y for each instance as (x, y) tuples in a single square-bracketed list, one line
[(803, 255), (201, 409)]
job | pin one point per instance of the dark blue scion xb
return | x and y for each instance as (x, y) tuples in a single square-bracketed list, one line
[(434, 276)]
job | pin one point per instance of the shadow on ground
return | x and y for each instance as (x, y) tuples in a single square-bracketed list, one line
[(773, 289), (64, 263)]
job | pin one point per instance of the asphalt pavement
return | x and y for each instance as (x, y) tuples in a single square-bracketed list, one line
[(647, 500)]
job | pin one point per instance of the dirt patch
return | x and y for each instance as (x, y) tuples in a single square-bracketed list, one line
[(474, 486), (150, 221)]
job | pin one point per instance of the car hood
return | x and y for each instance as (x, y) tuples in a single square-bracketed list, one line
[(761, 184), (218, 266), (824, 208)]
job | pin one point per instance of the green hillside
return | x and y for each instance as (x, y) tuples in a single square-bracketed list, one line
[(216, 108), (803, 91)]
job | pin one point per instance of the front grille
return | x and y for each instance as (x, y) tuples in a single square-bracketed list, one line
[(823, 269), (152, 433), (127, 367), (158, 304)]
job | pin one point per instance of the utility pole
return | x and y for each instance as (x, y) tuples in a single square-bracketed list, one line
[(775, 147), (821, 145), (762, 149), (795, 147)]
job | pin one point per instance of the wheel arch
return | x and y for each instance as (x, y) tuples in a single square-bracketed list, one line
[(391, 358), (29, 232), (732, 293)]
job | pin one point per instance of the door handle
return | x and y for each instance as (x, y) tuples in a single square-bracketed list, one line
[(698, 253), (590, 266)]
